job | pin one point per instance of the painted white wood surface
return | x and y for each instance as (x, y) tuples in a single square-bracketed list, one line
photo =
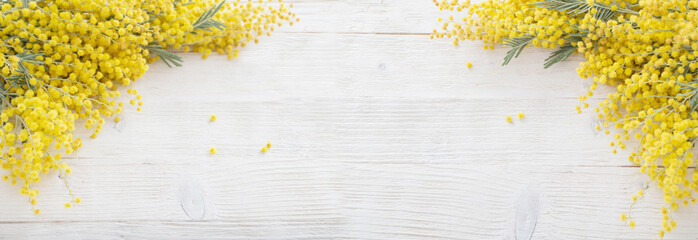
[(378, 132)]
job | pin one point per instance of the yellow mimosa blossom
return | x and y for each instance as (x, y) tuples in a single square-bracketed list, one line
[(66, 61), (646, 50)]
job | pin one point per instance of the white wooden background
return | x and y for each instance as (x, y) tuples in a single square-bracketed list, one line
[(378, 132)]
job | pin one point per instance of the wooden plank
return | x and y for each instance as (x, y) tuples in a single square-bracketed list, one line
[(316, 199), (365, 168), (356, 65), (383, 129), (365, 16)]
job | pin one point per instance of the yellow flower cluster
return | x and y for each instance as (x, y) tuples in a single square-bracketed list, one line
[(647, 50), (61, 61)]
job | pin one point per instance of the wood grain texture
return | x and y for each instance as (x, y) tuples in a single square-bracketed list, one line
[(378, 132)]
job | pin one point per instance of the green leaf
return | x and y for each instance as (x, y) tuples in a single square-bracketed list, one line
[(577, 7), (30, 57), (166, 56), (559, 55), (573, 7), (517, 45), (693, 100), (206, 21), (604, 14), (13, 78), (24, 75)]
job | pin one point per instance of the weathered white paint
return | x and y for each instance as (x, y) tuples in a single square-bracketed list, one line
[(378, 132)]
